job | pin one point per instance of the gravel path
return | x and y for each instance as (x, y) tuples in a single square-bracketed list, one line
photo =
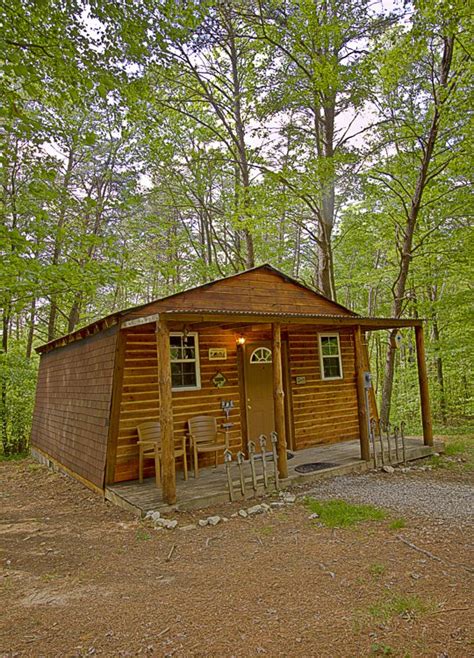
[(446, 500)]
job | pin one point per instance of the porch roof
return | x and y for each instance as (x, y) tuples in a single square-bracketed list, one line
[(366, 323)]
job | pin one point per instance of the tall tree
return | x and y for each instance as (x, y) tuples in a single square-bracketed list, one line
[(420, 77), (319, 81)]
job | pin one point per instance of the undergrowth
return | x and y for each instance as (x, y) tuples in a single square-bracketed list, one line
[(16, 457), (341, 514), (402, 605)]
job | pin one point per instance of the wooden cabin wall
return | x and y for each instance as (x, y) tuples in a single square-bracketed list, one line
[(323, 411), (140, 399), (73, 395)]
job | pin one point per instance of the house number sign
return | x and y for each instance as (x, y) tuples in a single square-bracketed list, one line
[(219, 380)]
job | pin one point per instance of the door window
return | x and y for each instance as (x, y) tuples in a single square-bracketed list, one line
[(261, 355)]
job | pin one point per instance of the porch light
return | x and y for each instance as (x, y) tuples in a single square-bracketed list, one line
[(241, 340)]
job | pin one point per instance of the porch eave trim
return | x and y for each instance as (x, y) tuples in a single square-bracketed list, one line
[(218, 315)]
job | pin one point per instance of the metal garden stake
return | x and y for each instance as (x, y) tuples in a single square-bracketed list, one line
[(228, 462), (274, 440), (373, 429), (263, 446), (240, 462), (402, 435), (251, 447), (382, 459), (389, 445), (395, 438)]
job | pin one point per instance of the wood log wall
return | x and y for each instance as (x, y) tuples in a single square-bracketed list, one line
[(140, 399), (322, 411)]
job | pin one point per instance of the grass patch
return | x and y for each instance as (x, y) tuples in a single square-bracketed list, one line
[(397, 524), (409, 605), (19, 456), (341, 514), (265, 531), (381, 649), (458, 454), (377, 569), (460, 447), (142, 535)]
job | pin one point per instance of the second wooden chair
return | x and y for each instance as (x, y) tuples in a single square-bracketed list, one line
[(204, 437)]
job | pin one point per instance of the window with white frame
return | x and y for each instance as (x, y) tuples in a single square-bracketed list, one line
[(184, 355), (330, 356), (261, 355)]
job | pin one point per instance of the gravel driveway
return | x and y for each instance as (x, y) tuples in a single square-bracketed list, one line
[(446, 500)]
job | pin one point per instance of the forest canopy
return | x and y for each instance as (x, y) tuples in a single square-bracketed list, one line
[(147, 147)]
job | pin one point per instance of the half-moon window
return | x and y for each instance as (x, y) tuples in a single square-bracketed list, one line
[(261, 355)]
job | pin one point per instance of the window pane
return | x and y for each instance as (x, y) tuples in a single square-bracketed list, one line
[(183, 374), (329, 345), (176, 380), (331, 366), (189, 379)]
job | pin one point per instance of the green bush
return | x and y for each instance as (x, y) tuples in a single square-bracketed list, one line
[(17, 396)]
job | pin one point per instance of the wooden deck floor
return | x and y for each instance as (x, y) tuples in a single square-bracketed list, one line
[(211, 485)]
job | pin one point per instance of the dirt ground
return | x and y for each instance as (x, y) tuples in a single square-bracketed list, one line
[(81, 577)]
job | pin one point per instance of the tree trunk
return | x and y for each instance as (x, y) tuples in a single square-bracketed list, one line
[(58, 243), (3, 383), (241, 146), (407, 245), (31, 329), (74, 313), (433, 295)]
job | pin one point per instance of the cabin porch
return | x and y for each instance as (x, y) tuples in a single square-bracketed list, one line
[(303, 407), (211, 486)]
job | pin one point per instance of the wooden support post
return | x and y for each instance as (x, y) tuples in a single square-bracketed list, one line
[(242, 397), (361, 406), (424, 390), (279, 401), (117, 386), (166, 412)]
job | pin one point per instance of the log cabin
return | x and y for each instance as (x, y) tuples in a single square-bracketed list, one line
[(279, 355)]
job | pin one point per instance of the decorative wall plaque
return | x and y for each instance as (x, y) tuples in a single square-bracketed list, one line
[(217, 354), (219, 380), (301, 380)]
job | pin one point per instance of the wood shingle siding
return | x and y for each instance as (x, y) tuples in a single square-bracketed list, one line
[(70, 422)]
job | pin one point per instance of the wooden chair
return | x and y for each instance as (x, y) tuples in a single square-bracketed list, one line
[(204, 437), (149, 446)]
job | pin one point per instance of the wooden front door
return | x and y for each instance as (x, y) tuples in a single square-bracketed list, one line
[(259, 389)]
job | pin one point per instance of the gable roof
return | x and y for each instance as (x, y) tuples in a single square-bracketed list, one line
[(253, 290), (263, 288)]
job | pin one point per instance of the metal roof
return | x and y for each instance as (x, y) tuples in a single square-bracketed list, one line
[(350, 317)]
